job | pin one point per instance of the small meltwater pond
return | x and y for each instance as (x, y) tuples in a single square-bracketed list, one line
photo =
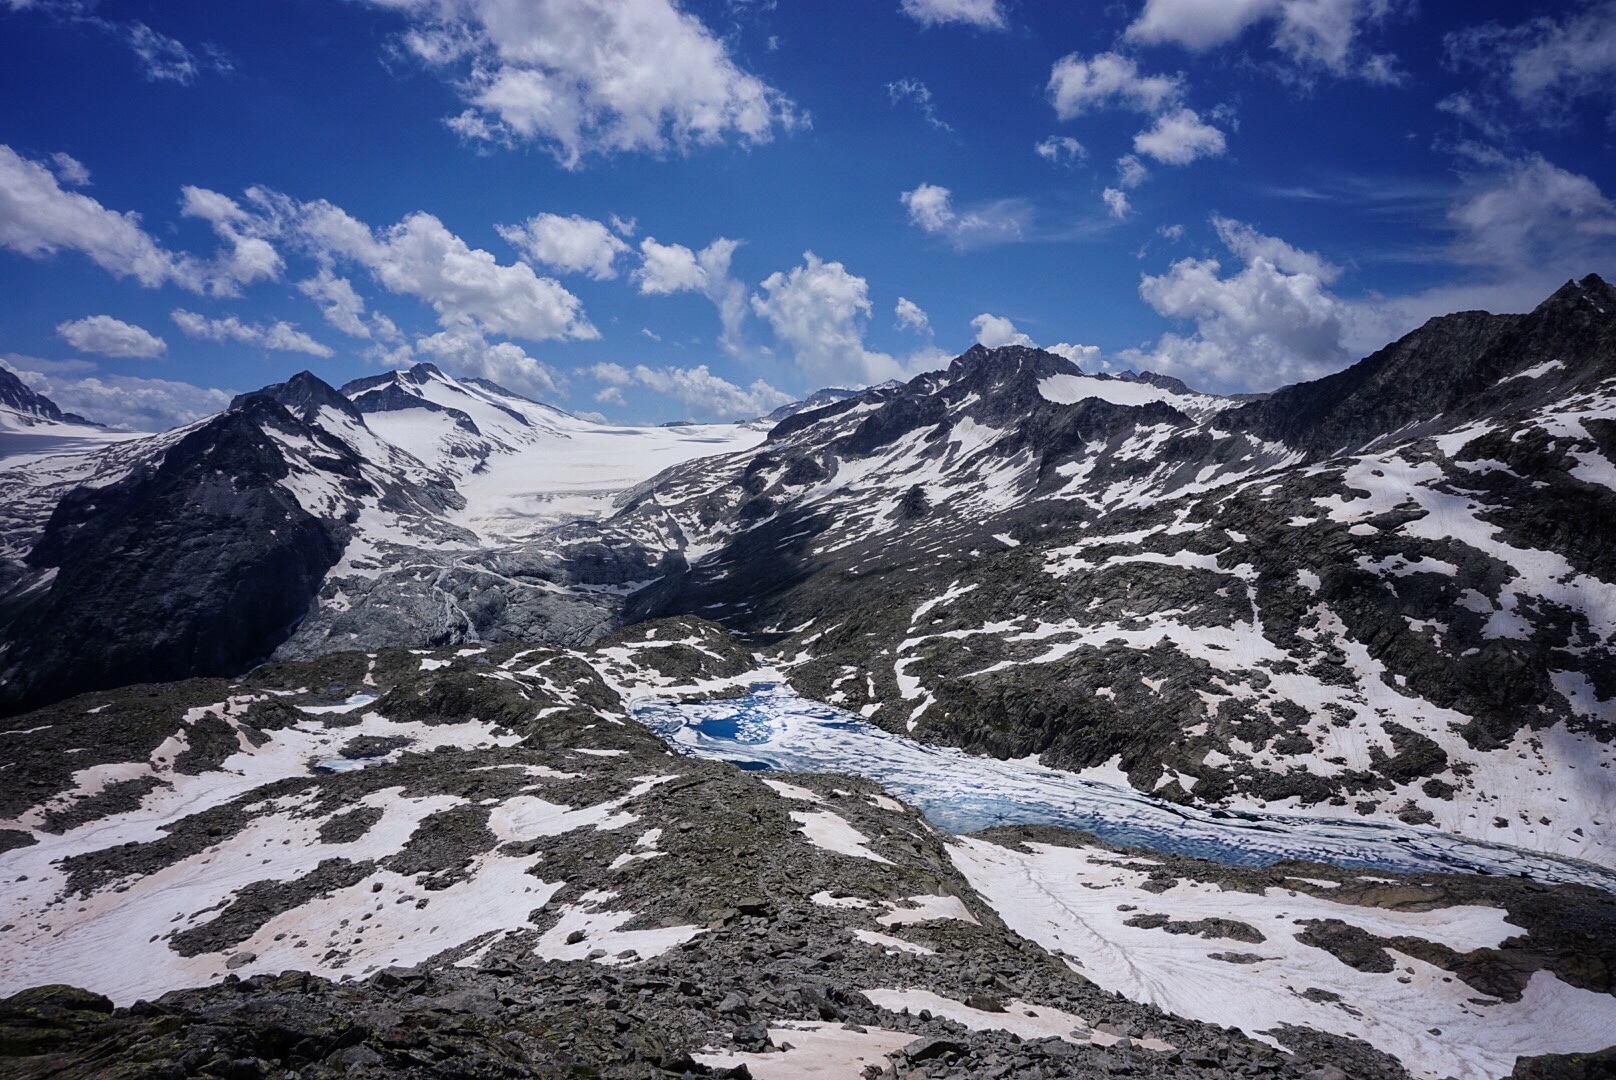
[(774, 729)]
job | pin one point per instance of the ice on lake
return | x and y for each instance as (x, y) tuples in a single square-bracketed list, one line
[(774, 729)]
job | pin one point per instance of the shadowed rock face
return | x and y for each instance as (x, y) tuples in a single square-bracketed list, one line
[(1450, 367), (15, 394), (199, 565)]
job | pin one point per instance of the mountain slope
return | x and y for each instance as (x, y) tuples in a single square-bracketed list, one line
[(1011, 555), (1424, 632)]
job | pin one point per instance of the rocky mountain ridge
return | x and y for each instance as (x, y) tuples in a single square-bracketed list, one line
[(430, 835), (470, 861), (1386, 594)]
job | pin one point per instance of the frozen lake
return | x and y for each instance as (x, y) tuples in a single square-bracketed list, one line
[(774, 729)]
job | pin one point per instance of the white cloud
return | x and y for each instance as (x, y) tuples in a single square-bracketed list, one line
[(38, 218), (698, 389), (985, 14), (1082, 355), (931, 207), (1313, 33), (817, 311), (1173, 233), (994, 331), (1548, 59), (574, 244), (1110, 79), (1251, 245), (111, 337), (1178, 138), (250, 258), (70, 170), (1060, 149), (1198, 24), (911, 317), (625, 226), (585, 77), (1520, 230), (279, 336), (1534, 214), (666, 269), (1271, 323), (1116, 201), (123, 401), (917, 91), (1131, 172), (467, 352), (467, 287), (164, 59), (344, 308)]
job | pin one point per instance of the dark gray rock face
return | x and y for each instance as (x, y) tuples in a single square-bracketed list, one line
[(1451, 367), (202, 564), (771, 930), (18, 395)]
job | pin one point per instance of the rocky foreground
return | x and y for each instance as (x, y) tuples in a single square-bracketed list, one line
[(471, 861)]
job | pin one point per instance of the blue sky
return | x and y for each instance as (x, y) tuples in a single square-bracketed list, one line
[(652, 210)]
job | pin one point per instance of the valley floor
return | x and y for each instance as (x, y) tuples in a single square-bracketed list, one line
[(473, 861)]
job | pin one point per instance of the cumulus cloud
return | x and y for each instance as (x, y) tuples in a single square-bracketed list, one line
[(38, 219), (1084, 356), (468, 288), (467, 352), (1179, 137), (121, 401), (583, 77), (344, 308), (994, 331), (916, 91), (1116, 201), (931, 208), (1313, 33), (911, 317), (107, 336), (574, 245), (279, 336), (666, 269), (1272, 322), (250, 257), (1060, 150), (698, 389), (1109, 80), (818, 311), (984, 14)]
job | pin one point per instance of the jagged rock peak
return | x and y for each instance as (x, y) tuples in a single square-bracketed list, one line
[(18, 395), (304, 394), (420, 373), (1008, 359), (1592, 289)]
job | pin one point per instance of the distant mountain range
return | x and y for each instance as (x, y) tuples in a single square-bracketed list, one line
[(1388, 593)]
